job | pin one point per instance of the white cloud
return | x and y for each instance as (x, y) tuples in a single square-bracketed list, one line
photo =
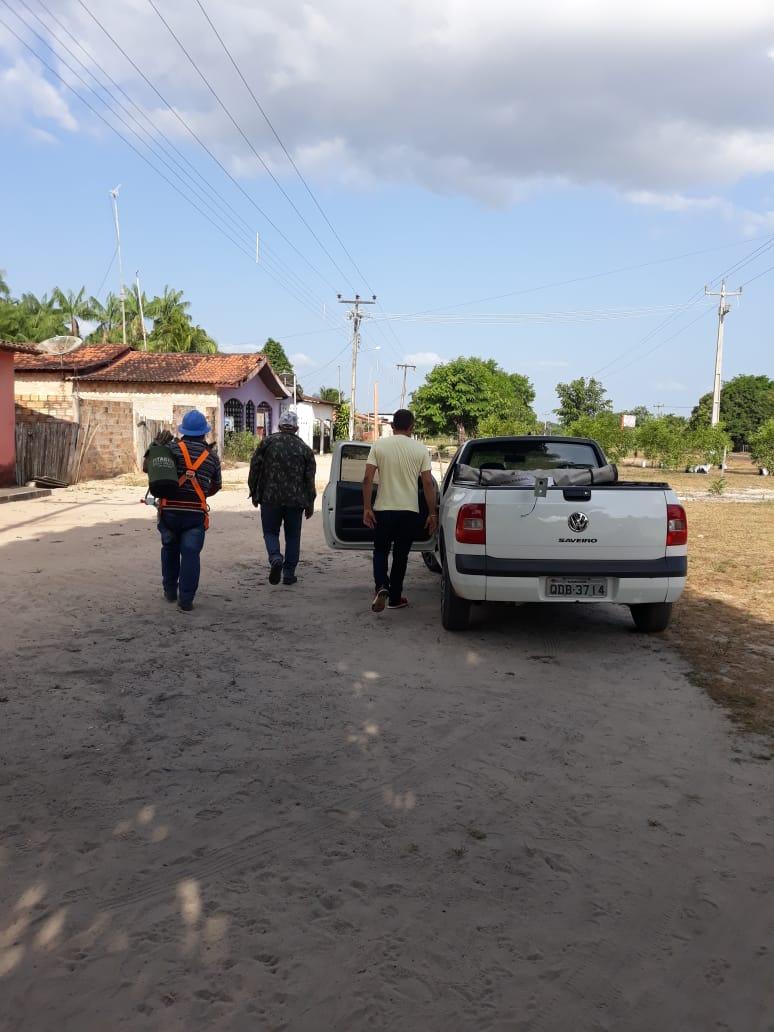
[(489, 98), (424, 358), (302, 361)]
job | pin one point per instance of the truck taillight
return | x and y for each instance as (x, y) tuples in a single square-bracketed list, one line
[(677, 525), (471, 525)]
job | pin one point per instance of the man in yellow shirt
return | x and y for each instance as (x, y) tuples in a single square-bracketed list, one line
[(401, 461)]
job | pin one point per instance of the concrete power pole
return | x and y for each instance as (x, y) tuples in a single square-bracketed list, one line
[(723, 310), (405, 367), (122, 294), (356, 316), (142, 313)]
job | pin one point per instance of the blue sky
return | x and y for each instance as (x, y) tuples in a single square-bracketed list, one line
[(456, 158)]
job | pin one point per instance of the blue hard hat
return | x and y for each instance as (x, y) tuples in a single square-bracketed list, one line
[(194, 424)]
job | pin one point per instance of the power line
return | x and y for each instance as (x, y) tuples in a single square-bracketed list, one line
[(288, 155), (754, 278), (249, 143), (199, 140), (143, 158), (587, 278)]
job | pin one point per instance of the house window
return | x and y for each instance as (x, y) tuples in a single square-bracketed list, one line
[(234, 414), (250, 417), (263, 419)]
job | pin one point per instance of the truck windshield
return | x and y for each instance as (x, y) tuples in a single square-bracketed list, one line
[(527, 455)]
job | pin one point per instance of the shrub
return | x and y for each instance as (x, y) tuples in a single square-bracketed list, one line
[(605, 428), (717, 487), (762, 446), (239, 447)]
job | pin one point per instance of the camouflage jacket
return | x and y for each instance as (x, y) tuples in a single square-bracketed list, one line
[(282, 472)]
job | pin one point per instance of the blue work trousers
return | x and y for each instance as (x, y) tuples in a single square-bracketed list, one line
[(182, 539), (273, 517)]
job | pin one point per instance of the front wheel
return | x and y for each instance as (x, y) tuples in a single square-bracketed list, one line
[(651, 617), (455, 611)]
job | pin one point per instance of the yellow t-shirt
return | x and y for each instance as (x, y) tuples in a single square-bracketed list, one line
[(399, 460)]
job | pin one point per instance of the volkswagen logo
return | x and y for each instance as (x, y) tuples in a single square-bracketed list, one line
[(578, 521)]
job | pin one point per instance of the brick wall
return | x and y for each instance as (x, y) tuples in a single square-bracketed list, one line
[(210, 412), (112, 451), (44, 405)]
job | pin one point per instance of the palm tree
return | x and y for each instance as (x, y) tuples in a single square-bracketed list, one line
[(39, 318), (5, 293), (331, 394), (134, 324), (74, 307), (108, 316), (178, 333), (162, 309)]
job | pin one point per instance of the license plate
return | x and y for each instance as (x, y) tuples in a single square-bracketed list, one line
[(573, 587)]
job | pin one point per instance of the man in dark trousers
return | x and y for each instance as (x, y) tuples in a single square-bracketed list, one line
[(183, 520), (401, 462), (281, 481)]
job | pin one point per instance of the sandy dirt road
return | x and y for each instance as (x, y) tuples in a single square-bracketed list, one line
[(282, 812)]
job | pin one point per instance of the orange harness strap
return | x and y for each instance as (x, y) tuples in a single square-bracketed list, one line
[(190, 477)]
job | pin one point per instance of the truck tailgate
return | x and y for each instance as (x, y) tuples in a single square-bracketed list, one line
[(615, 523)]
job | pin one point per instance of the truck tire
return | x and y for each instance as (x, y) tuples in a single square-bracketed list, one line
[(455, 611), (651, 617), (430, 561)]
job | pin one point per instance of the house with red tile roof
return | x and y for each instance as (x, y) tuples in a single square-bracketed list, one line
[(129, 394)]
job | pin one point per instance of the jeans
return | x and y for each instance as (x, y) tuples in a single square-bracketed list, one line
[(272, 519), (394, 529), (182, 539)]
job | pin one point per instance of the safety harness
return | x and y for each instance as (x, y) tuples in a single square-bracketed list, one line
[(190, 477)]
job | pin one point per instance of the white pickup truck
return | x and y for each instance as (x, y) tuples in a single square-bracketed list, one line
[(519, 524)]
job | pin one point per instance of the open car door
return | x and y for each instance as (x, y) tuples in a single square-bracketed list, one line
[(343, 502)]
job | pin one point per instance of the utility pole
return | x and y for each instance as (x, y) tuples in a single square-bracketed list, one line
[(405, 367), (376, 410), (122, 294), (723, 310), (339, 387), (659, 407), (142, 313), (356, 316)]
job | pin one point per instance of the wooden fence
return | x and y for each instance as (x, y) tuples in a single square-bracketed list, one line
[(51, 452)]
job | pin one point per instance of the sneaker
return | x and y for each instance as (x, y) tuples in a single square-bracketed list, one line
[(292, 579), (275, 574), (398, 605), (380, 600), (170, 596), (185, 607)]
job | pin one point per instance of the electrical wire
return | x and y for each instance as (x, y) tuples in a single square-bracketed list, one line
[(754, 278), (107, 273), (247, 140), (288, 155), (142, 157), (198, 139)]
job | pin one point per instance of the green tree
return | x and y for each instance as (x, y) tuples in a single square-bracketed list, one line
[(167, 307), (641, 414), (73, 307), (341, 423), (39, 318), (605, 428), (665, 440), (275, 353), (762, 445), (456, 396), (579, 398), (331, 394), (178, 333), (746, 402), (708, 444), (108, 317)]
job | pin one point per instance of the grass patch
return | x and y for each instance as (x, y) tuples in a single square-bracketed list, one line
[(724, 624)]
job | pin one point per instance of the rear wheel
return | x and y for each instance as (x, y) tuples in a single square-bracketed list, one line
[(455, 611), (431, 562), (652, 617)]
